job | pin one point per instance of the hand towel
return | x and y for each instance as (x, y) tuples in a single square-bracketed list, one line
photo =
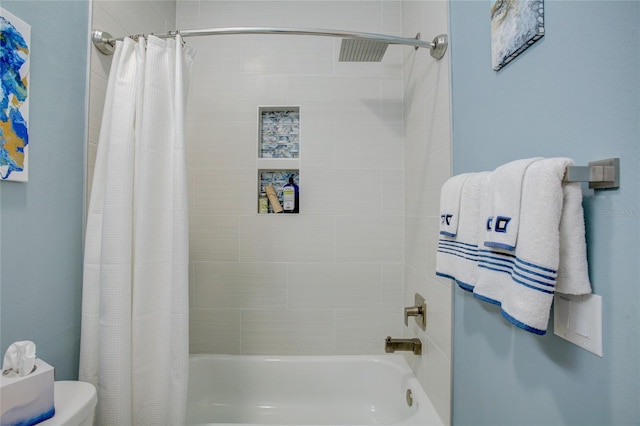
[(527, 300), (505, 190), (573, 271), (450, 194), (459, 254), (494, 264)]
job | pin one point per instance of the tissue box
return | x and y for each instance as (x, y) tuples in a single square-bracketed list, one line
[(27, 400)]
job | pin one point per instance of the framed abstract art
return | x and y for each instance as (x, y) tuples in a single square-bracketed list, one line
[(15, 44), (515, 26)]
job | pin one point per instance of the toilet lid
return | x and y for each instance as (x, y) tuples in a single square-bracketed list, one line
[(73, 402)]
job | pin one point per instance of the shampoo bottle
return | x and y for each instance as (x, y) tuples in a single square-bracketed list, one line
[(291, 197)]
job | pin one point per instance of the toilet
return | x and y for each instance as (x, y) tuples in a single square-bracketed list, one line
[(75, 404)]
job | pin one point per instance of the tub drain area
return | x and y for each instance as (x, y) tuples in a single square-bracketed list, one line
[(409, 396)]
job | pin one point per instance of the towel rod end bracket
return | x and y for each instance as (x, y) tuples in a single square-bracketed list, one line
[(601, 174), (605, 174)]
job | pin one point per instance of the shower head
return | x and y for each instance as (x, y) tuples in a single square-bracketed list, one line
[(362, 50)]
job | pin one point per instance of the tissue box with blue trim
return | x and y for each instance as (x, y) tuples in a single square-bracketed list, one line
[(27, 400)]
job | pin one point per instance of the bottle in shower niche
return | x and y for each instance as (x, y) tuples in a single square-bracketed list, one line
[(291, 197), (263, 203), (273, 199)]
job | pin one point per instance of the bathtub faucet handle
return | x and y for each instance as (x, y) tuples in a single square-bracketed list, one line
[(419, 311)]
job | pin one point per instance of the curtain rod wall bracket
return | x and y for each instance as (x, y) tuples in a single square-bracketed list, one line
[(103, 41), (438, 46)]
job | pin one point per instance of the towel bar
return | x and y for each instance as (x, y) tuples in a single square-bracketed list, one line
[(602, 174)]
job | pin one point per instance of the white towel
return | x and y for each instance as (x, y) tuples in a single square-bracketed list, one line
[(460, 254), (494, 265), (573, 271), (527, 300), (494, 275), (450, 204), (505, 189)]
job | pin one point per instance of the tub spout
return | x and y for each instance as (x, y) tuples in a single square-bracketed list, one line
[(414, 345)]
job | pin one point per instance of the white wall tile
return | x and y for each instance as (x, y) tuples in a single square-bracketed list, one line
[(286, 238), (214, 238), (393, 192), (287, 54), (308, 332), (340, 192), (136, 17), (393, 286), (334, 286), (423, 180), (369, 145), (226, 144), (339, 15), (214, 331), (391, 98), (369, 239), (364, 330), (233, 97), (217, 55), (221, 191), (336, 98), (187, 14), (391, 11), (416, 244), (97, 93), (167, 10), (239, 285), (232, 13), (317, 149)]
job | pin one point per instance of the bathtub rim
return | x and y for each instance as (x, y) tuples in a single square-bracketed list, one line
[(395, 361)]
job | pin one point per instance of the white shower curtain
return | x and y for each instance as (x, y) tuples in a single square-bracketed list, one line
[(134, 337)]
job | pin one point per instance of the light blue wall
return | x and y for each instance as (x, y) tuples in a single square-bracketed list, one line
[(575, 93), (41, 229)]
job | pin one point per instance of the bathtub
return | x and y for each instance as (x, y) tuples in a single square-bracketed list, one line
[(305, 390)]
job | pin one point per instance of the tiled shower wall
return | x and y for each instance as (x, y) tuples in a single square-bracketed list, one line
[(328, 280), (427, 164)]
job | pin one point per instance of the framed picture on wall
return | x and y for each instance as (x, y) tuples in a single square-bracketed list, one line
[(515, 26), (15, 44)]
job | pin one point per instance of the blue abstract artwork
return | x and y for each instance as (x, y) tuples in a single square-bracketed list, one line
[(15, 40), (515, 26)]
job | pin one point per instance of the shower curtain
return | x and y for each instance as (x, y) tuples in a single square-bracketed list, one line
[(134, 336)]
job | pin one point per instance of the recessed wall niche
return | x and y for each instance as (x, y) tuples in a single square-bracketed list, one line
[(279, 132), (278, 150)]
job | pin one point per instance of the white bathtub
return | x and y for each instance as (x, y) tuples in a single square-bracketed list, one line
[(305, 390)]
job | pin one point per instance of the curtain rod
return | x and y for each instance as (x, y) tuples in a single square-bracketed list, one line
[(105, 42)]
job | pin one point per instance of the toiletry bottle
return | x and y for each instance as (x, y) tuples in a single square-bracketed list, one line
[(291, 197), (263, 203), (273, 199)]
